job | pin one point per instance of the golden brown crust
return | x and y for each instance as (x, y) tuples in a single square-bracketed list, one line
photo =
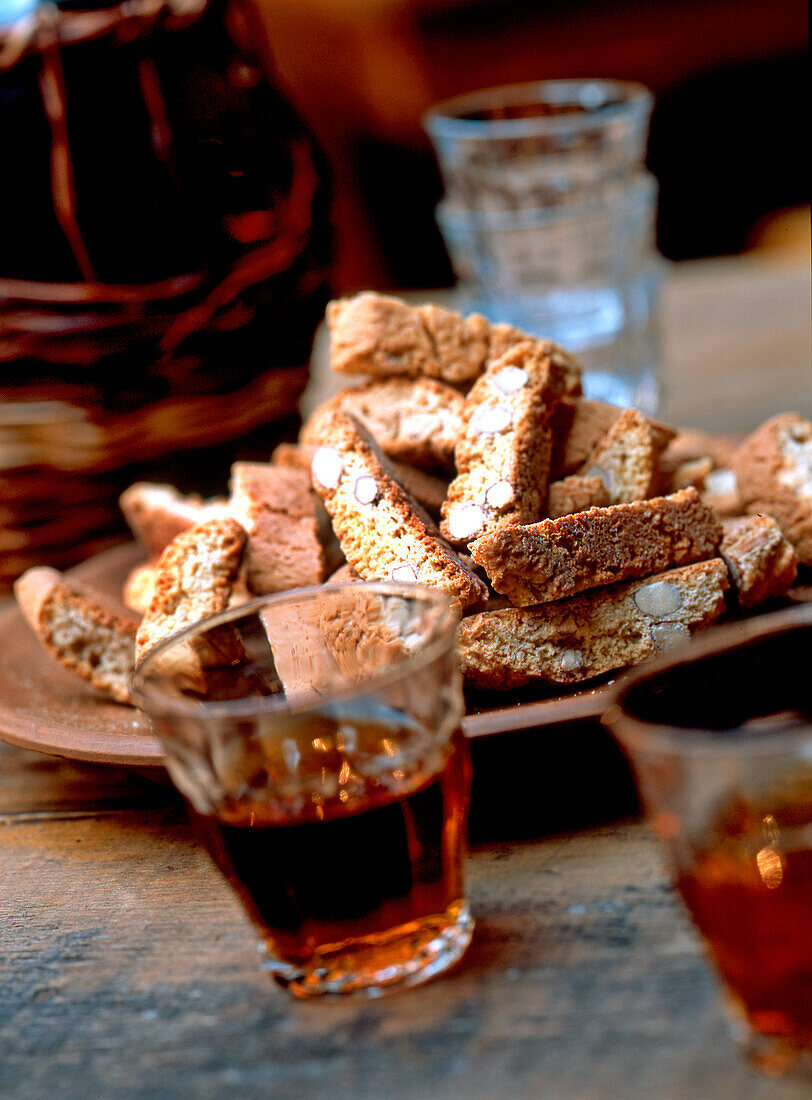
[(383, 532), (193, 579), (575, 494), (762, 564), (276, 507), (413, 420), (689, 445), (773, 470), (580, 425), (80, 629), (382, 336), (157, 513), (503, 453), (625, 459), (594, 633), (557, 558)]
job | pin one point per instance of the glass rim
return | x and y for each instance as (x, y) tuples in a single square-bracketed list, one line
[(443, 119), (639, 735), (154, 701)]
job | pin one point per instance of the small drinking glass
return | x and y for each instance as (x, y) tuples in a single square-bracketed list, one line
[(316, 738), (548, 217), (720, 739)]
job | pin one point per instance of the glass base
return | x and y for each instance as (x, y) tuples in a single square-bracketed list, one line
[(785, 1052), (373, 965)]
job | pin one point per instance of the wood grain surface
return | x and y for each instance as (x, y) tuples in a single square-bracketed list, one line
[(128, 971)]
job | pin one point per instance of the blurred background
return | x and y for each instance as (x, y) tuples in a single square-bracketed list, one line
[(729, 77)]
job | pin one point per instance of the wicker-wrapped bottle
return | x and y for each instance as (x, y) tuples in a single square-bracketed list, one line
[(164, 254)]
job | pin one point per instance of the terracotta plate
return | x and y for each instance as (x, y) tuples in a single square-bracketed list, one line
[(46, 708)]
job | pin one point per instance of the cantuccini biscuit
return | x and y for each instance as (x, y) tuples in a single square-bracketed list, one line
[(503, 453), (193, 579), (575, 494), (80, 628), (384, 534), (557, 558), (275, 506), (594, 633), (413, 420), (704, 461), (688, 445), (157, 513), (625, 459), (761, 563), (427, 489), (579, 426), (680, 475), (381, 336), (773, 470)]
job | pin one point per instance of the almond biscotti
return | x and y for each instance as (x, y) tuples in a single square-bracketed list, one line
[(557, 558), (276, 507), (80, 629), (575, 494), (594, 633), (157, 513), (427, 489), (193, 579), (761, 563), (503, 453), (625, 459), (773, 469), (580, 425), (384, 533), (379, 335), (413, 420)]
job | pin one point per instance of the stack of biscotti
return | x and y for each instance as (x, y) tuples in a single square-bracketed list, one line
[(591, 529), (575, 537), (269, 535)]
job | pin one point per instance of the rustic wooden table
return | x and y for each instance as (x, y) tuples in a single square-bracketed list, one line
[(128, 970)]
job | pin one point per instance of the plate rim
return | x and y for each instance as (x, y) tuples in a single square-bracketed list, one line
[(147, 752)]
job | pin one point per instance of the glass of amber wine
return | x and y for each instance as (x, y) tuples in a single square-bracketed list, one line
[(316, 738), (720, 739)]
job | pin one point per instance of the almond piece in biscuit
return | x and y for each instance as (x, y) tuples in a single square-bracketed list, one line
[(773, 469), (382, 336), (579, 426), (721, 493), (427, 489), (193, 579), (80, 628), (625, 459), (157, 513), (594, 633), (503, 453), (762, 564), (384, 534), (275, 506), (576, 494), (557, 558), (413, 420)]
